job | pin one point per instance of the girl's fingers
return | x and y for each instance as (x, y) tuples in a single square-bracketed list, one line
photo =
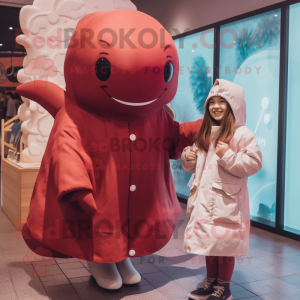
[(191, 156)]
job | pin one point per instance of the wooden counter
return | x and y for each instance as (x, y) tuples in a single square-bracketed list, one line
[(17, 187), (17, 182)]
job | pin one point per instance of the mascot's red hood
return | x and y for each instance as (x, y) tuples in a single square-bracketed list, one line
[(121, 63)]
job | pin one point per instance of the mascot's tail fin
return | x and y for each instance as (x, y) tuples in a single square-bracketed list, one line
[(49, 95)]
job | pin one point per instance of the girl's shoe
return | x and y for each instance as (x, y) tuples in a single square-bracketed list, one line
[(222, 292), (204, 291)]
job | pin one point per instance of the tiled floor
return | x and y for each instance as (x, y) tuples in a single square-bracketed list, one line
[(271, 271)]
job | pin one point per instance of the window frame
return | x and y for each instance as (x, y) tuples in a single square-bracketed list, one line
[(282, 109)]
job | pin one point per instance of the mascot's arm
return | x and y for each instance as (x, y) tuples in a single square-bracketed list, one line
[(68, 170), (49, 95), (71, 170), (183, 135), (85, 200)]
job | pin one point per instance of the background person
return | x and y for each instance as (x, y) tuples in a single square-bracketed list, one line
[(1, 104), (11, 108), (10, 113)]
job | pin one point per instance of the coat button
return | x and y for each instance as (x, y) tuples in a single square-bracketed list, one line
[(132, 253), (132, 137), (133, 188)]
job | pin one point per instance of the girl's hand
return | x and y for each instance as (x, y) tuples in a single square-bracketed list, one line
[(191, 153), (221, 148)]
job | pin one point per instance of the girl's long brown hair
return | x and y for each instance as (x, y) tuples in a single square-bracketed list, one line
[(225, 132)]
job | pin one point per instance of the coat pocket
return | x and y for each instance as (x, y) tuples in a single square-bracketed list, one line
[(225, 203)]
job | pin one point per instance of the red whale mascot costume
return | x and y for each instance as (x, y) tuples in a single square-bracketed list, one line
[(105, 191)]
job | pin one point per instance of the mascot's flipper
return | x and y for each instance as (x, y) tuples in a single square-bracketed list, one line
[(49, 95)]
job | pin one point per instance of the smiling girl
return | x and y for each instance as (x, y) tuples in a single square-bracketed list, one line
[(224, 155)]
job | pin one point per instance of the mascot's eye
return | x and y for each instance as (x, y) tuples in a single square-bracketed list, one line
[(168, 71), (103, 69)]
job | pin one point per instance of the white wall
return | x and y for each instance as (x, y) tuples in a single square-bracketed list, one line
[(182, 14)]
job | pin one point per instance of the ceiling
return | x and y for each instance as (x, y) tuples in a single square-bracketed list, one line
[(9, 17), (171, 13), (17, 3)]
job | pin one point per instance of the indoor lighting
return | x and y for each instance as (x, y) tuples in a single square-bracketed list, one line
[(193, 50), (276, 15), (1, 45), (11, 28)]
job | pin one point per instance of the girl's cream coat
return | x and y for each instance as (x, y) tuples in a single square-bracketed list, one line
[(218, 206)]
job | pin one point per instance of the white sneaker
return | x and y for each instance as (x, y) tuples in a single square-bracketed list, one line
[(106, 275), (128, 273)]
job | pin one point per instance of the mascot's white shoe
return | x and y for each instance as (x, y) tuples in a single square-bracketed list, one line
[(106, 275), (127, 271)]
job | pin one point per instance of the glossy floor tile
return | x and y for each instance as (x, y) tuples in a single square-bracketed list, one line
[(270, 271)]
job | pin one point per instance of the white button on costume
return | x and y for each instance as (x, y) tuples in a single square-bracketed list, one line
[(132, 137)]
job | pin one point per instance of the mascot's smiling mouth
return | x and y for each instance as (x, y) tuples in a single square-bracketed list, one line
[(131, 103)]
